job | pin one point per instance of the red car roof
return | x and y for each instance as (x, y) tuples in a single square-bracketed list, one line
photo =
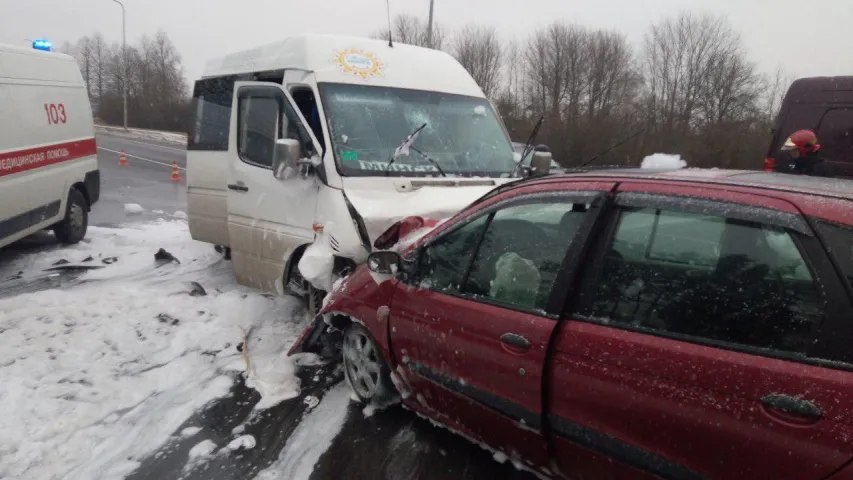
[(827, 187)]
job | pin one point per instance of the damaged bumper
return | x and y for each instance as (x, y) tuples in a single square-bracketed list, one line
[(319, 338)]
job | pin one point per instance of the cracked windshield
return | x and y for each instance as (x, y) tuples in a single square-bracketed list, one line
[(426, 240)]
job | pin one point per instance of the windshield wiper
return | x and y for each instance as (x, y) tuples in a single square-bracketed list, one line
[(403, 148), (430, 160), (528, 147)]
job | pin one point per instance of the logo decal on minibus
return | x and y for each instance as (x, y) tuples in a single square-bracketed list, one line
[(358, 62)]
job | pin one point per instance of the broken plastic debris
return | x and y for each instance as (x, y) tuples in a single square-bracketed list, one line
[(164, 256), (197, 290), (311, 401)]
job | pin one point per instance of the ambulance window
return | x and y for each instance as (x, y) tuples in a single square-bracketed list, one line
[(211, 114)]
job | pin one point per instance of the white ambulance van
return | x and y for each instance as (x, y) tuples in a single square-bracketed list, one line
[(49, 175), (306, 139)]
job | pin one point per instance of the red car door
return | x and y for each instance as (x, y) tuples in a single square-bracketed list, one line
[(694, 349), (472, 330)]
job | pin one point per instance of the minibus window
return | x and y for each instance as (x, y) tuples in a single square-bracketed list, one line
[(367, 123), (211, 111)]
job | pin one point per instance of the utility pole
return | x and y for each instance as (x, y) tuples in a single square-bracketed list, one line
[(429, 25), (124, 59)]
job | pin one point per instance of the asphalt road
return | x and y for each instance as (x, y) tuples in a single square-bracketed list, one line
[(146, 180), (391, 445)]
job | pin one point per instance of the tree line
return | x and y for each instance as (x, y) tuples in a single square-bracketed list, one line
[(157, 93), (689, 88)]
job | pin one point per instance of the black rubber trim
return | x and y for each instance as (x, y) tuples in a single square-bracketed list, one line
[(92, 182), (488, 399), (621, 451), (359, 224), (26, 220)]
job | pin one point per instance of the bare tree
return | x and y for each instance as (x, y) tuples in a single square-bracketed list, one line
[(680, 55), (83, 53), (479, 51), (556, 58), (99, 54), (610, 81), (731, 90), (156, 89), (413, 31), (774, 94)]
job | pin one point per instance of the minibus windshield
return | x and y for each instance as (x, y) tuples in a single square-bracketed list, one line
[(367, 123)]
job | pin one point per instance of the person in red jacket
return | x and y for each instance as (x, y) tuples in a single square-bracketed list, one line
[(799, 156)]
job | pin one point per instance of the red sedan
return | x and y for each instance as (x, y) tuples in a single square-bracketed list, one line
[(623, 324)]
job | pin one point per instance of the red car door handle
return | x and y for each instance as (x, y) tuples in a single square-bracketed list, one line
[(792, 406), (516, 341)]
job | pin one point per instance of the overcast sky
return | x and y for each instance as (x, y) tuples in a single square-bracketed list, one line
[(804, 37)]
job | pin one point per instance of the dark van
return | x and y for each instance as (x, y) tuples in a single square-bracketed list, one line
[(824, 105)]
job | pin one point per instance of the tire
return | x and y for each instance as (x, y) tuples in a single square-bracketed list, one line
[(366, 370), (73, 227)]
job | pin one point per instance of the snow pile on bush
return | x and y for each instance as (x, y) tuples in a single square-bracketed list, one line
[(99, 374), (663, 161)]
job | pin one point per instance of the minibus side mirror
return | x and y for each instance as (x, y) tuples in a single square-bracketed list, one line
[(540, 164), (285, 155)]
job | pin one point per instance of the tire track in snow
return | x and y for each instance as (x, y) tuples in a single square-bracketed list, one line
[(311, 438)]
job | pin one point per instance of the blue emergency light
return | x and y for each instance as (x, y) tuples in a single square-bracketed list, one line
[(42, 45)]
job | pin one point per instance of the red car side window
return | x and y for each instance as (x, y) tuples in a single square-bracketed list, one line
[(445, 261), (709, 277)]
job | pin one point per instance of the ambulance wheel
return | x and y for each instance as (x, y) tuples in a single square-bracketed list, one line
[(72, 228)]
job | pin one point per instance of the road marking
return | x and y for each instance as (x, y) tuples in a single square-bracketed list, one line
[(141, 158), (155, 145)]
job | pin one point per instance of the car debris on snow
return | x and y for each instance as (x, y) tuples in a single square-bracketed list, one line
[(166, 318), (163, 256), (197, 290)]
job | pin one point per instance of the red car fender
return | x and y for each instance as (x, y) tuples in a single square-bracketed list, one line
[(361, 299)]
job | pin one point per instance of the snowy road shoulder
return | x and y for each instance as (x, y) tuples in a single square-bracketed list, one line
[(100, 374)]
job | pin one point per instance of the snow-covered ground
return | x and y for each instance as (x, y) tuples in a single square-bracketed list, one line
[(98, 375), (178, 138)]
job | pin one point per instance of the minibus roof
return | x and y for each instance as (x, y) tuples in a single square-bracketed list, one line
[(353, 60)]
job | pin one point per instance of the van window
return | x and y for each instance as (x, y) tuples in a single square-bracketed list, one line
[(259, 126), (462, 135), (835, 134), (211, 114)]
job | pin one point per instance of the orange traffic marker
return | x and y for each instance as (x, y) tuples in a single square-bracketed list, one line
[(122, 160), (176, 173)]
